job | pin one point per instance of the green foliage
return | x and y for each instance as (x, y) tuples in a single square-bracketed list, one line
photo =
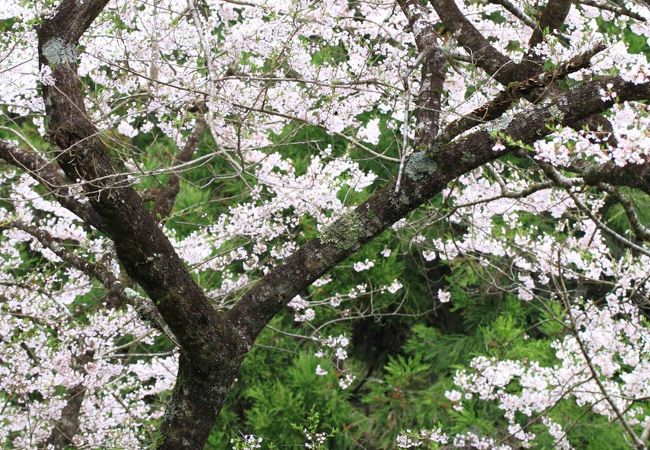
[(281, 405)]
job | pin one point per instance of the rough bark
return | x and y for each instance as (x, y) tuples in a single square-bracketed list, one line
[(208, 344), (632, 175), (67, 426), (143, 249), (198, 396), (482, 53), (551, 19), (432, 74)]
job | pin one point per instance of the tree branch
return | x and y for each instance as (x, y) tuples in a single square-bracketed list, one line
[(167, 196), (551, 19), (211, 350), (66, 427), (641, 231), (53, 178), (432, 76), (516, 11), (620, 10), (142, 247), (483, 54), (504, 99), (423, 179), (72, 19), (567, 183), (143, 305), (631, 175)]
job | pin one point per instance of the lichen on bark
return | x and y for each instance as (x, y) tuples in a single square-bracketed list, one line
[(344, 232), (419, 166), (57, 51)]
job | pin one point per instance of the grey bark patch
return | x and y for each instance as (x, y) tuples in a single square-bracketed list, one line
[(344, 233), (57, 51), (500, 123), (420, 166)]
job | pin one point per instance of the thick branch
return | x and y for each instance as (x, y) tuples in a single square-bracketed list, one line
[(631, 175), (487, 57), (67, 426), (423, 179), (211, 350), (550, 20), (142, 247), (483, 54), (72, 19), (432, 76), (504, 99)]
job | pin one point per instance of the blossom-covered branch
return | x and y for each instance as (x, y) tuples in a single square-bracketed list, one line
[(425, 177)]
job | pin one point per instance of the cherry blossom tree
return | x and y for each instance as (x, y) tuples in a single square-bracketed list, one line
[(498, 111)]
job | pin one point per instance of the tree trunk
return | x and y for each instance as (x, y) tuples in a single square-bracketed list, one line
[(198, 396)]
